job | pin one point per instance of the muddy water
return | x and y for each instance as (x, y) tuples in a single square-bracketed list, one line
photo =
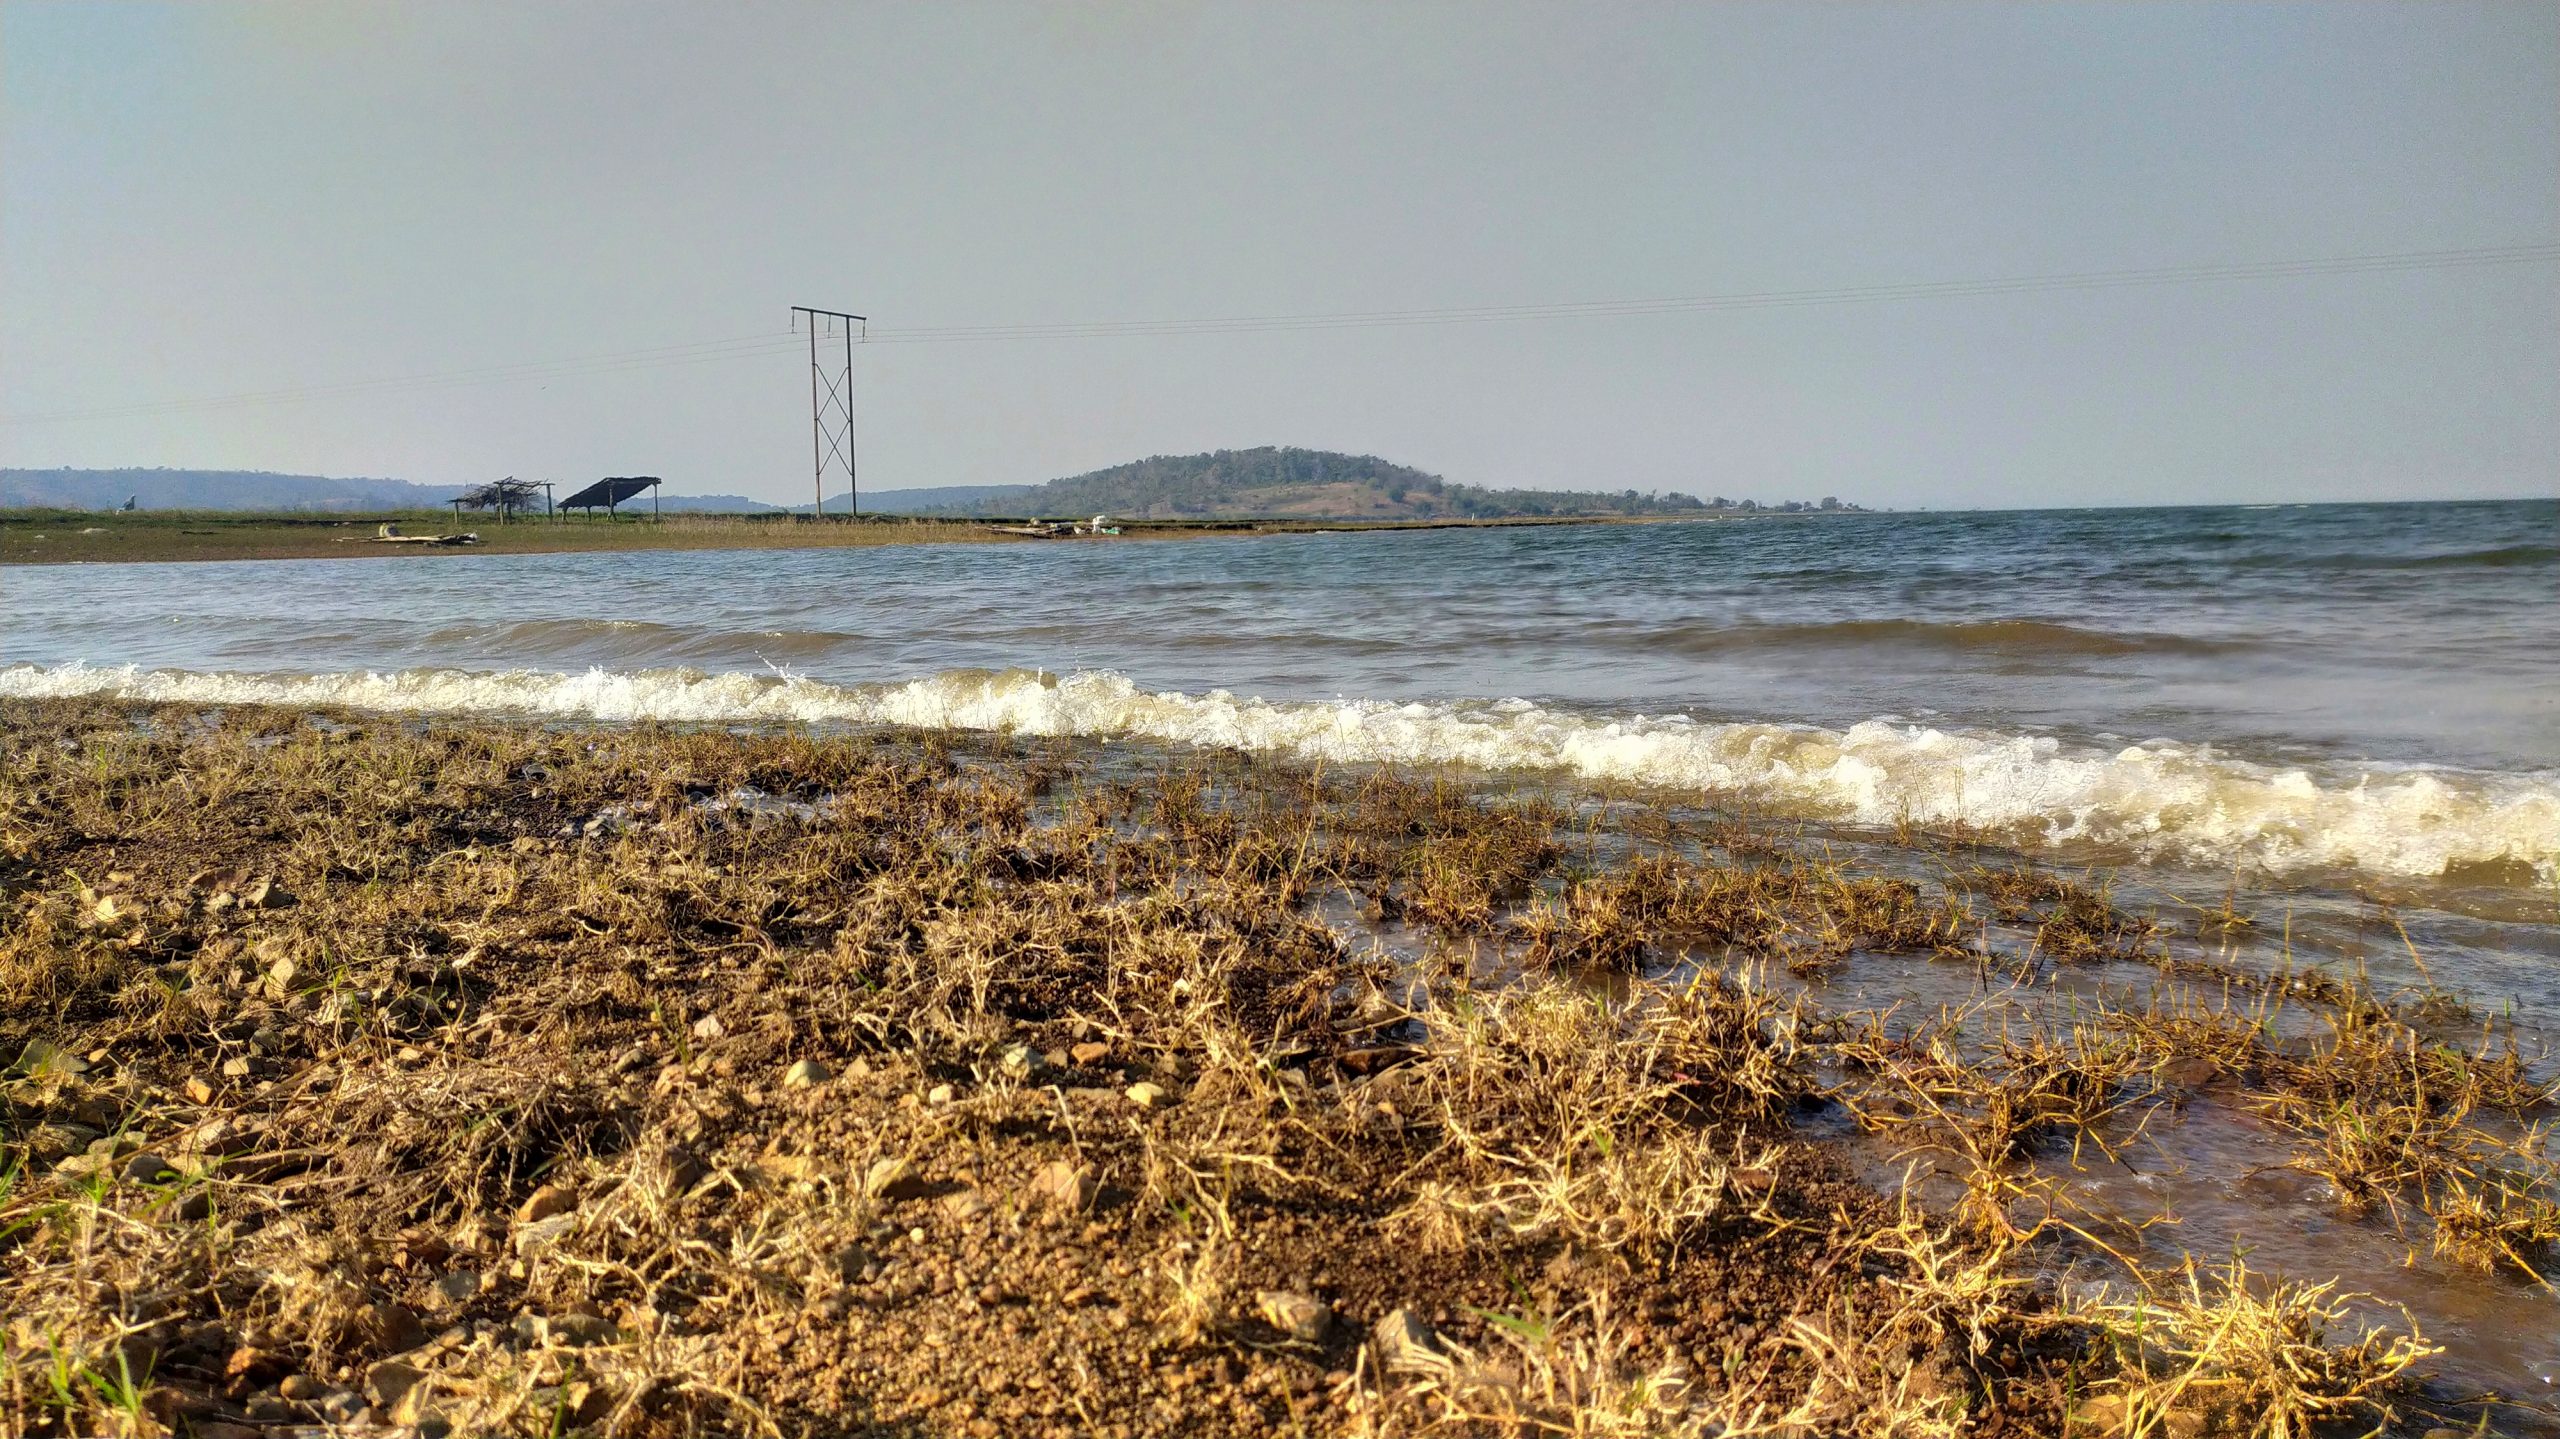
[(2183, 1172)]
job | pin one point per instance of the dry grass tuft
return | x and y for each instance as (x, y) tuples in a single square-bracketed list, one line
[(647, 1082)]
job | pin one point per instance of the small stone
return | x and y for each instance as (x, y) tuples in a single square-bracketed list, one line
[(458, 1287), (2189, 1072), (51, 1142), (302, 1388), (169, 1404), (940, 1094), (107, 911), (199, 1091), (543, 1233), (1092, 1051), (389, 1382), (40, 1058), (1021, 1061), (680, 1169), (148, 1168), (236, 1067), (709, 1027), (252, 1363), (577, 1331), (892, 1179), (2103, 1414), (806, 1073), (264, 893), (1147, 1095), (1302, 1317), (1065, 1184), (545, 1202), (392, 1328), (1407, 1345)]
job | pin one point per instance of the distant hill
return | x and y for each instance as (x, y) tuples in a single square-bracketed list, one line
[(211, 490), (1272, 483), (927, 502), (264, 490), (1265, 483), (698, 504)]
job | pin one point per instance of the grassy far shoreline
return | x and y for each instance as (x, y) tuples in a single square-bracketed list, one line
[(485, 1077), (78, 537)]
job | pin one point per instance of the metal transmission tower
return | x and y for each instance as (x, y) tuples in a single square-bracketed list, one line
[(831, 403)]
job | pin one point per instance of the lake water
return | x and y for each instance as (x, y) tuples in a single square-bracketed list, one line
[(2330, 692), (2349, 715)]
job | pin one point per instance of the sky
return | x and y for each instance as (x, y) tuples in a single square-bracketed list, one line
[(206, 201)]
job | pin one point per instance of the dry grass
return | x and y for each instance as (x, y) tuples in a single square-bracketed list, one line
[(2235, 1353), (642, 1082)]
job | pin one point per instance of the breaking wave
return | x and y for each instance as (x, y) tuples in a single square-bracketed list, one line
[(2157, 800)]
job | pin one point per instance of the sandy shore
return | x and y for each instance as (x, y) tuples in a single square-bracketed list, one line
[(487, 1078)]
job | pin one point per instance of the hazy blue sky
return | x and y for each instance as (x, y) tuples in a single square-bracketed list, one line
[(202, 200)]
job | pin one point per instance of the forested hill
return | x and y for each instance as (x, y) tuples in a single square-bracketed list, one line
[(1286, 483), (164, 489), (211, 490)]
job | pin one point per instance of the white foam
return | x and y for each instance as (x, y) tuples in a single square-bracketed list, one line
[(2161, 801)]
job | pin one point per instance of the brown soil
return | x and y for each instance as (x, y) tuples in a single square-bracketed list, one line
[(495, 1079)]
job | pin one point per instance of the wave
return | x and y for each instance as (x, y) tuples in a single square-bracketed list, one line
[(2158, 801), (2011, 637), (2500, 558), (622, 639)]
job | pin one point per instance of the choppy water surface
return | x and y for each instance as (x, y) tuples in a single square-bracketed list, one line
[(2345, 719), (2339, 690)]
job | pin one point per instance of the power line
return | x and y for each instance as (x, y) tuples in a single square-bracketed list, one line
[(697, 352), (757, 346), (1748, 300)]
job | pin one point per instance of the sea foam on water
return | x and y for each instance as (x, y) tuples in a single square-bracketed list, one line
[(2158, 800)]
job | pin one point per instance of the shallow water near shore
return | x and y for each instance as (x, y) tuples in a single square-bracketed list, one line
[(2365, 693)]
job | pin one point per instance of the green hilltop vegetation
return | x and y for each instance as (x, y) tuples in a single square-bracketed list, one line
[(1280, 483)]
